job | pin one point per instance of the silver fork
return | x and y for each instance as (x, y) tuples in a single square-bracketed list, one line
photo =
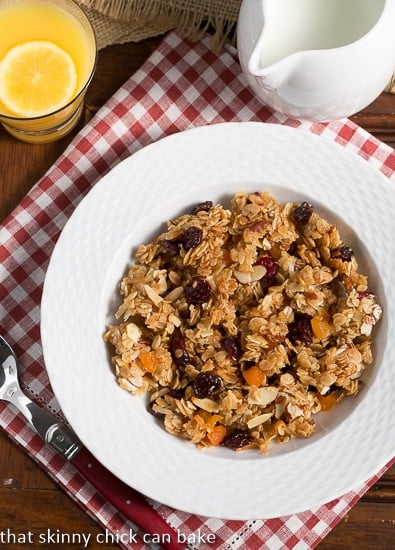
[(47, 426), (59, 436)]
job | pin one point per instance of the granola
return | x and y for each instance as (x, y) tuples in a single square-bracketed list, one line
[(244, 323)]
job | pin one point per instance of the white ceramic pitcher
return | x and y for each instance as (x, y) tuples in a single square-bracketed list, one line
[(317, 59)]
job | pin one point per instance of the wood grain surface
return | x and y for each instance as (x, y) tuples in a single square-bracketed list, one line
[(29, 500)]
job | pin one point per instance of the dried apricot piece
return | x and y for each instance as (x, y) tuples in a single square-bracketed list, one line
[(320, 324), (149, 360), (254, 376), (327, 401), (217, 435)]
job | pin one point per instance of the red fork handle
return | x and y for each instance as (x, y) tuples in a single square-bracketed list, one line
[(126, 500)]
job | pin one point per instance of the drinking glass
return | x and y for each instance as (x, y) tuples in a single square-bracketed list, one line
[(65, 24)]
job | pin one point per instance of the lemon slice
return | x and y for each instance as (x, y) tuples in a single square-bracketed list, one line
[(36, 78)]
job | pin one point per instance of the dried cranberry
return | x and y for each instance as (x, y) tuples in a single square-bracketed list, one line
[(202, 207), (232, 347), (236, 439), (191, 237), (302, 213), (364, 294), (197, 291), (205, 384), (344, 252), (300, 329), (177, 349), (171, 247), (270, 265)]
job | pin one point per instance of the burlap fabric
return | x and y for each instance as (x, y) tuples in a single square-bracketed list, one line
[(118, 21)]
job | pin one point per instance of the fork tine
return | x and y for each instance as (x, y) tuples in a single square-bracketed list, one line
[(5, 349)]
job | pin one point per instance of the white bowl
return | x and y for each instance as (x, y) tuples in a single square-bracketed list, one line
[(128, 207)]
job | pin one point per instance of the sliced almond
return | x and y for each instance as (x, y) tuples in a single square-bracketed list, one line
[(133, 332), (279, 408), (159, 393), (294, 411), (366, 329), (242, 277), (174, 277), (377, 312), (152, 295), (206, 404), (175, 320), (258, 271), (262, 396), (258, 420), (174, 294)]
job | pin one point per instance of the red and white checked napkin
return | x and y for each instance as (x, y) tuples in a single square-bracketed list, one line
[(180, 86)]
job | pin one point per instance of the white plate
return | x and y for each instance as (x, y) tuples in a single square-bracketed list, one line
[(128, 207)]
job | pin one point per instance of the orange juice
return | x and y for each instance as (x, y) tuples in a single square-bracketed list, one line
[(62, 25)]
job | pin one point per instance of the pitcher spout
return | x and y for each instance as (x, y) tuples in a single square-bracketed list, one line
[(271, 76), (270, 69)]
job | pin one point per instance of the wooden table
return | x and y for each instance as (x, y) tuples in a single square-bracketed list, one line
[(29, 500)]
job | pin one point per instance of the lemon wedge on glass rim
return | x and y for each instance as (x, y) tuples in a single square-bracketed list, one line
[(36, 78)]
